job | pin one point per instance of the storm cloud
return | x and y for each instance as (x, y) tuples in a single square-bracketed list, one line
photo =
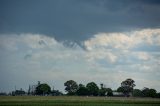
[(77, 20)]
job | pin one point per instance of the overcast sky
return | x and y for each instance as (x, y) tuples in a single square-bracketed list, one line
[(105, 41)]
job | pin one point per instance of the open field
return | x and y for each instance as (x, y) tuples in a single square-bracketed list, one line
[(75, 101)]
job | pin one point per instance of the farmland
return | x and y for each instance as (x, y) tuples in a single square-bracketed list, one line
[(76, 101)]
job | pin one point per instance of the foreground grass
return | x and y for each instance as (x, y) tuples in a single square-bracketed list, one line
[(76, 101)]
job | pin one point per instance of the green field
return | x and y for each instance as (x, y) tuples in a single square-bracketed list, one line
[(75, 101)]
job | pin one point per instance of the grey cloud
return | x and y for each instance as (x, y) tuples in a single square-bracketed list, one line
[(77, 20)]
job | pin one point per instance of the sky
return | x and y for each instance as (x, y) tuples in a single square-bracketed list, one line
[(105, 41)]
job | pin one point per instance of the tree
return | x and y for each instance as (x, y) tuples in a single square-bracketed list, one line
[(158, 95), (102, 90), (71, 87), (109, 92), (152, 93), (92, 89), (120, 89), (82, 90), (81, 85), (127, 86), (102, 86), (137, 93), (56, 93), (43, 89), (146, 92)]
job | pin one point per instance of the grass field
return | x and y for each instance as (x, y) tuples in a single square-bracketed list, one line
[(75, 101)]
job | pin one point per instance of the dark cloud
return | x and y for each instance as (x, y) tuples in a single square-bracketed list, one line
[(156, 2), (77, 20)]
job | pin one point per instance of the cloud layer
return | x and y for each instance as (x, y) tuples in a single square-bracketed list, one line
[(105, 58), (77, 20)]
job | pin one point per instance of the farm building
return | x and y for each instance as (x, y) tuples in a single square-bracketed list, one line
[(118, 94)]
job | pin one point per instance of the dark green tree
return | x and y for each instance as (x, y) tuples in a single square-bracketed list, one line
[(43, 89), (82, 90), (102, 90), (158, 95), (127, 86), (81, 85), (152, 93), (109, 92), (92, 89), (145, 92), (71, 87), (137, 93), (120, 89)]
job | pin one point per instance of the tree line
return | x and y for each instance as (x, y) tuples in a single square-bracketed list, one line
[(90, 89)]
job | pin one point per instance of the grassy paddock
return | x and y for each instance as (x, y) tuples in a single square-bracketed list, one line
[(76, 101)]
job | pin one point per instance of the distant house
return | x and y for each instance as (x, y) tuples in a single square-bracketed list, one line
[(3, 93), (121, 94), (118, 94), (18, 92)]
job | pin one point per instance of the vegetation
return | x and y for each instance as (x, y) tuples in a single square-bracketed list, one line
[(90, 89), (127, 86), (105, 91), (137, 93), (43, 89), (82, 90), (146, 92), (82, 95), (76, 101), (71, 87)]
